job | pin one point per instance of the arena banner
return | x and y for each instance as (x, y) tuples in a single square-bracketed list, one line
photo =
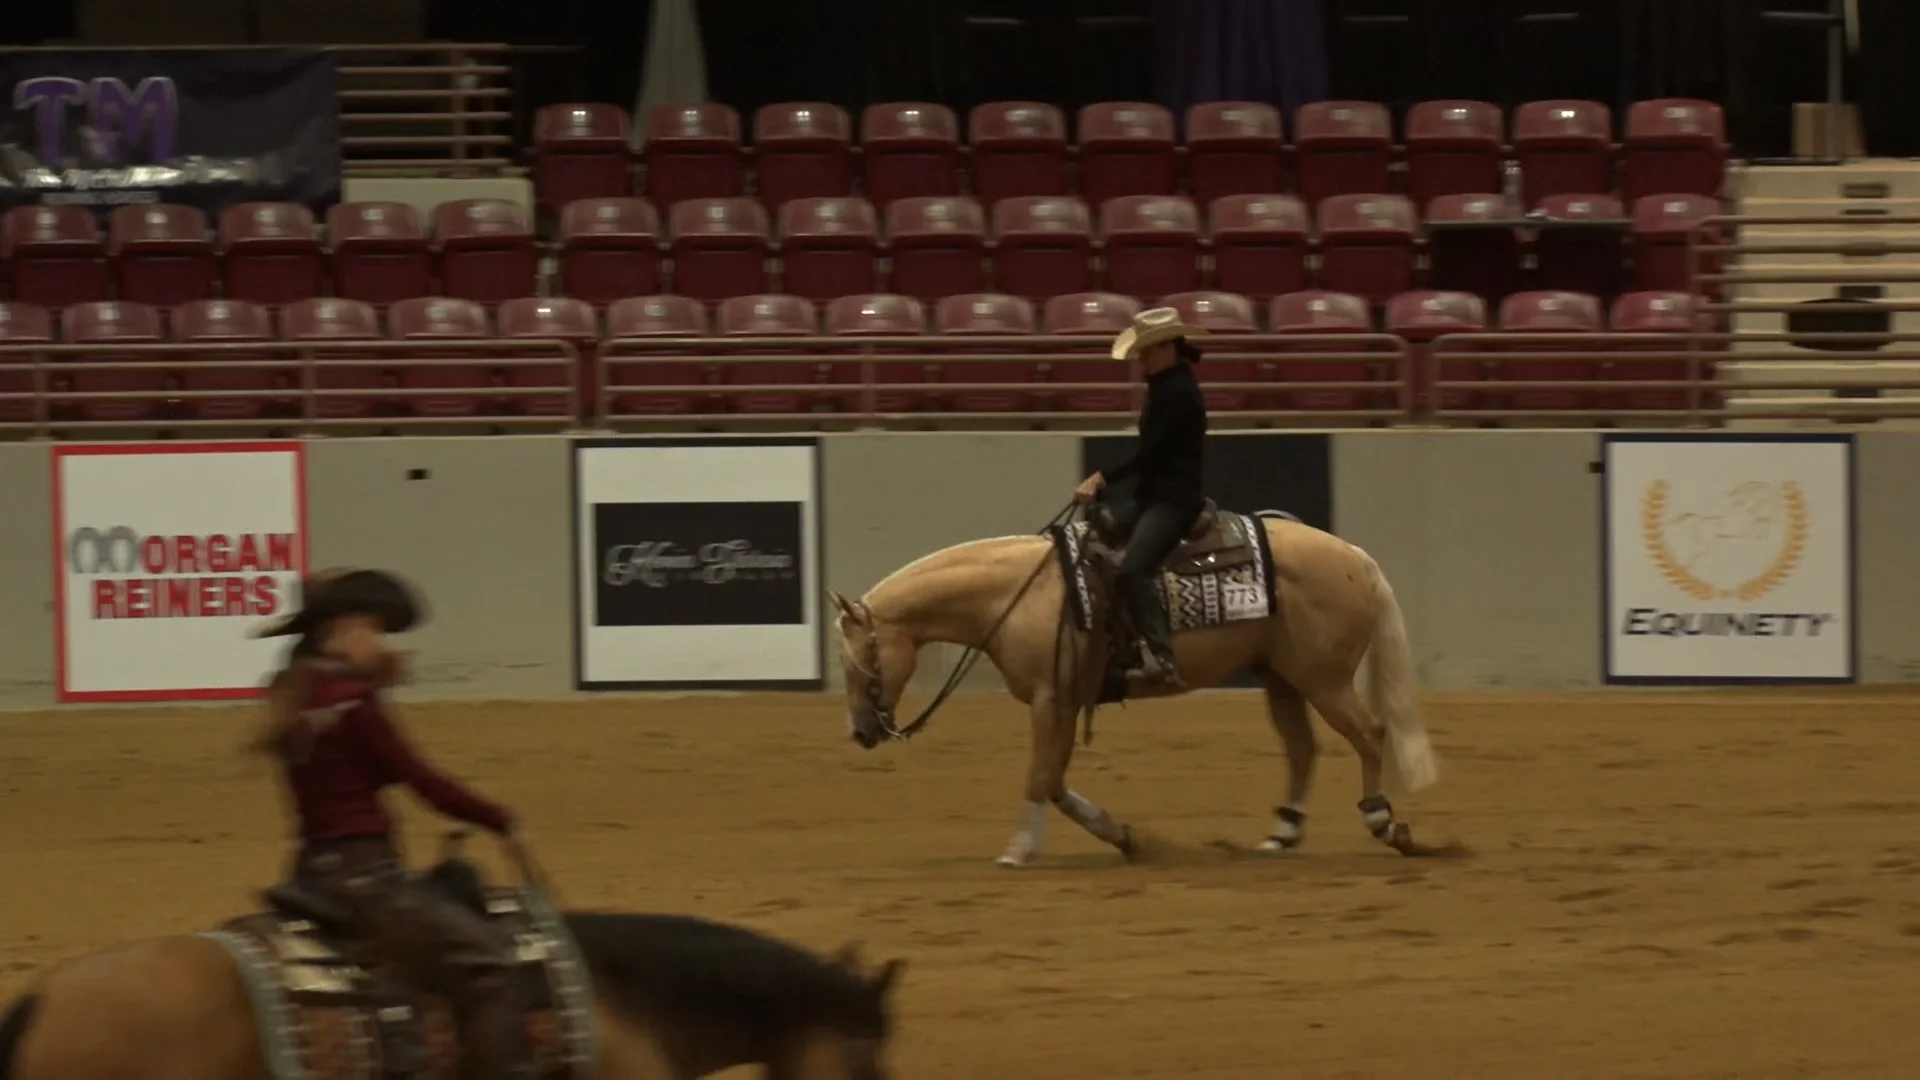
[(204, 127), (1728, 559), (1246, 472), (165, 556), (697, 564)]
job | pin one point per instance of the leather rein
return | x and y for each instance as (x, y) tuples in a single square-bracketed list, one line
[(870, 656)]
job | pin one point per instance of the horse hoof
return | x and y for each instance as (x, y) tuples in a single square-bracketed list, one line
[(1274, 845), (1400, 838), (1125, 846), (1014, 860)]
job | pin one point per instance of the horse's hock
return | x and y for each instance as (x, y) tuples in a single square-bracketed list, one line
[(1659, 888)]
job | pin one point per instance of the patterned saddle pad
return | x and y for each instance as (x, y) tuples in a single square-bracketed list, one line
[(1194, 600)]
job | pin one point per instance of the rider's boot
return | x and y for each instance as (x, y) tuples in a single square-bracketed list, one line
[(1156, 669)]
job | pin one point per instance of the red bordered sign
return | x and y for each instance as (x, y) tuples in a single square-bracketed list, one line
[(165, 556)]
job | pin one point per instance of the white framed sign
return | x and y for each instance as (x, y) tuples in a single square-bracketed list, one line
[(697, 564), (165, 556), (1728, 559)]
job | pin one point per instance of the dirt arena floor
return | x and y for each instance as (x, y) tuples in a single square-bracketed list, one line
[(1680, 887)]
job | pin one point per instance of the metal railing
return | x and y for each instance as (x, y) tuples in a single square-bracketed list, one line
[(299, 387), (444, 108)]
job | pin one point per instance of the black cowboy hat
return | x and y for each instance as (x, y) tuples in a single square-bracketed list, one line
[(329, 594)]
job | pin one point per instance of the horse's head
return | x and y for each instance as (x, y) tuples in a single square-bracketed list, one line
[(876, 660), (863, 1047)]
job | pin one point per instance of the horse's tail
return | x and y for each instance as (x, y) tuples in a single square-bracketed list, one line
[(1410, 763), (13, 1030)]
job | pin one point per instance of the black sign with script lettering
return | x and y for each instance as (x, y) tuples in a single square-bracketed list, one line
[(698, 564)]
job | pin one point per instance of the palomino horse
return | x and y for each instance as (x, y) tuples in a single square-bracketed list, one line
[(1266, 593), (613, 996)]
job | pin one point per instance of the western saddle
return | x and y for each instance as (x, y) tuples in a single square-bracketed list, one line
[(347, 1015), (1211, 544)]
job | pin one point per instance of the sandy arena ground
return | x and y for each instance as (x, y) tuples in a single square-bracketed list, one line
[(1661, 886)]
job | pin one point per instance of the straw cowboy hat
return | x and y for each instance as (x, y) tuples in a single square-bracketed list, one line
[(1153, 326), (330, 593)]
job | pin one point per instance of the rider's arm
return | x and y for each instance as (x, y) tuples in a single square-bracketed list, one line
[(445, 794), (1168, 416)]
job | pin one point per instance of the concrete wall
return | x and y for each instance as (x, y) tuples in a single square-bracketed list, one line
[(1490, 538)]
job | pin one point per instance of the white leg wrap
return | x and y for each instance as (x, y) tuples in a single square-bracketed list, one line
[(1092, 818), (1026, 843)]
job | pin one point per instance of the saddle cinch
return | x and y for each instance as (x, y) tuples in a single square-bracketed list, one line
[(1211, 543), (328, 1006)]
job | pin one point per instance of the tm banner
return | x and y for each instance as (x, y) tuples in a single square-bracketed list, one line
[(697, 564), (1728, 559), (103, 128), (166, 557)]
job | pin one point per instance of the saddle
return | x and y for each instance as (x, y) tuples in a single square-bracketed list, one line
[(1211, 543), (335, 1009)]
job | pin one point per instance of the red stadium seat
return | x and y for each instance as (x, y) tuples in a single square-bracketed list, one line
[(693, 152), (1662, 225), (659, 316), (1102, 314), (829, 247), (380, 252), (558, 317), (1666, 313), (328, 318), (1342, 148), (581, 152), (1019, 148), (1454, 148), (57, 255), (1260, 244), (1480, 251), (801, 150), (106, 323), (773, 315), (1234, 148), (910, 149), (1673, 146), (162, 254), (1563, 148), (609, 249), (1548, 312), (1316, 312), (939, 246), (988, 313), (21, 323), (1152, 245), (1367, 245), (1126, 148), (1420, 318), (1043, 246), (442, 318), (234, 322), (1224, 316), (487, 251), (1585, 259), (719, 248), (886, 315), (271, 253)]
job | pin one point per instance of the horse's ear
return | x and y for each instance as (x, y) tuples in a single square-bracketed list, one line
[(882, 983), (848, 956), (841, 602)]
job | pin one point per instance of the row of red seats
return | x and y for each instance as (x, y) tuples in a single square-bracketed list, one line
[(1147, 246), (1418, 318), (1013, 148)]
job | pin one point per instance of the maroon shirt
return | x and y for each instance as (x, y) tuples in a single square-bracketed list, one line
[(345, 751)]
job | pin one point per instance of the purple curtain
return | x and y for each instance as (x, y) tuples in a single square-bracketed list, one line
[(1241, 50)]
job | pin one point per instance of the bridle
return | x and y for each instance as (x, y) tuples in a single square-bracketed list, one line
[(868, 663)]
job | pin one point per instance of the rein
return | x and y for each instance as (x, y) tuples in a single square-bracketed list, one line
[(871, 667)]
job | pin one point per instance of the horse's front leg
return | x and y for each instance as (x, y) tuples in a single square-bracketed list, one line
[(1047, 783)]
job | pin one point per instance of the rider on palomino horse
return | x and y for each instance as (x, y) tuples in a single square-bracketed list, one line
[(1167, 493), (330, 730)]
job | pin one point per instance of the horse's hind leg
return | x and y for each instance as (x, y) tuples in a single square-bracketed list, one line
[(1343, 711), (1288, 712)]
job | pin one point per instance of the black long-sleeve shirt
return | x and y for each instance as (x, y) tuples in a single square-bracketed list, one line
[(1173, 433)]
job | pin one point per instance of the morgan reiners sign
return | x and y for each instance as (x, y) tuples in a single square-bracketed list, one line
[(1729, 559), (165, 556)]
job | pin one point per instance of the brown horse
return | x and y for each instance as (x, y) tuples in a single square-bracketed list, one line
[(660, 997), (1294, 604)]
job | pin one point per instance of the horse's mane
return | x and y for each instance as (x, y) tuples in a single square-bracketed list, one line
[(684, 967)]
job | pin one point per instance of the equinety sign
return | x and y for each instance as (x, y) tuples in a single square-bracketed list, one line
[(1728, 559), (697, 563)]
